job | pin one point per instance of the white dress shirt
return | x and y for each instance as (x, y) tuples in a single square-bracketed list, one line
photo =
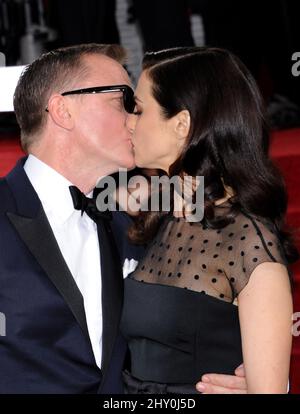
[(77, 239)]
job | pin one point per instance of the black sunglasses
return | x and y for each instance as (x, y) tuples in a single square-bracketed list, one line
[(128, 94)]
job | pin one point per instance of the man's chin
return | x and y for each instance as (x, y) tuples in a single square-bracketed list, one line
[(130, 165)]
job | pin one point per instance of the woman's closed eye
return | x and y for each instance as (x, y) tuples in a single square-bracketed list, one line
[(137, 111)]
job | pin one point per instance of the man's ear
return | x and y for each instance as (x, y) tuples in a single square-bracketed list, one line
[(182, 124), (59, 111)]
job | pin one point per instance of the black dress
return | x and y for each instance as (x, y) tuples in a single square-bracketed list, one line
[(180, 314)]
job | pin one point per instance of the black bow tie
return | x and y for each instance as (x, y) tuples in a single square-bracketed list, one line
[(88, 205)]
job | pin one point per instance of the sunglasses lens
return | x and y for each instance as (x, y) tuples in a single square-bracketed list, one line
[(129, 103)]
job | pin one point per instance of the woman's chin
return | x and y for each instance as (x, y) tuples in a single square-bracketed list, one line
[(147, 165), (139, 163)]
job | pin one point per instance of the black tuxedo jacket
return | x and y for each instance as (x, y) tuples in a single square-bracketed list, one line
[(47, 348)]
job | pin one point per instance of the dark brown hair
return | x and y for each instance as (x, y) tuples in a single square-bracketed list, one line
[(52, 72), (228, 141)]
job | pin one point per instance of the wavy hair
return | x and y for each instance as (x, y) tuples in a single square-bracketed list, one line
[(228, 141)]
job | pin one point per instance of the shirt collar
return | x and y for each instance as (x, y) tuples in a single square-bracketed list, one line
[(52, 189)]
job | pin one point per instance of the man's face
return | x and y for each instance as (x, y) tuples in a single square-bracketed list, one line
[(100, 131)]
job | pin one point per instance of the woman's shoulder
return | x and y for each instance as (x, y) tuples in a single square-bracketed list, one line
[(248, 229), (252, 240)]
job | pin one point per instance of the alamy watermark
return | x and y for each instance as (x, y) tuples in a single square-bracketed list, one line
[(158, 193), (296, 65), (296, 325), (2, 324)]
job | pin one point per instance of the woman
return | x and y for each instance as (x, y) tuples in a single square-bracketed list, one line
[(212, 294)]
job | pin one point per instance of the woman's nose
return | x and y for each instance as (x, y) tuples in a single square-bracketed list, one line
[(130, 123)]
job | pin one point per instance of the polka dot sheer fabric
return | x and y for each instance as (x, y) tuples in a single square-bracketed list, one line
[(218, 263)]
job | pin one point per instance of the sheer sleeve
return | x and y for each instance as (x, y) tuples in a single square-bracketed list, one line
[(256, 242)]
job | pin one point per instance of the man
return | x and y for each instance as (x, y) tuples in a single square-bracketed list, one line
[(62, 299)]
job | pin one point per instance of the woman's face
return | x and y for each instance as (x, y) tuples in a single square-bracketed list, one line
[(156, 141)]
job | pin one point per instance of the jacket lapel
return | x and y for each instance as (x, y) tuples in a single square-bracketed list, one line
[(37, 234), (33, 227)]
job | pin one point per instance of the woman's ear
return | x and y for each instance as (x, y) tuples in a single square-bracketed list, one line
[(182, 124), (59, 112)]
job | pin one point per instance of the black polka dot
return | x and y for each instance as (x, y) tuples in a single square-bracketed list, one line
[(179, 235), (204, 266), (179, 249), (232, 279), (270, 244), (202, 251), (153, 255), (190, 249), (191, 237), (218, 244), (245, 226), (168, 246), (220, 271), (151, 270), (160, 259), (244, 269), (230, 248), (242, 253), (196, 277), (205, 241), (178, 274), (215, 256), (170, 274), (243, 238), (256, 247), (231, 263), (255, 259), (159, 273), (231, 234), (143, 267), (189, 261), (169, 260), (161, 244), (179, 262), (214, 280), (221, 295)]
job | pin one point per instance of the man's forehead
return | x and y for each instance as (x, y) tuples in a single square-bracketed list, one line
[(106, 70)]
